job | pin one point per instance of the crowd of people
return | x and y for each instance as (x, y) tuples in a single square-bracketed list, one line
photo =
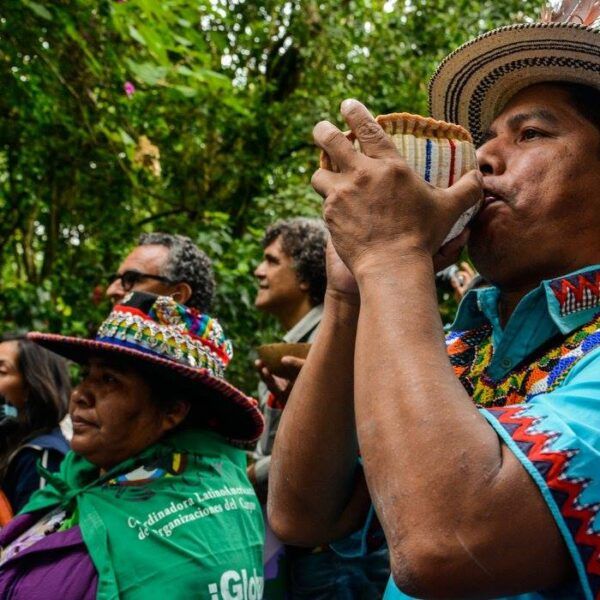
[(399, 459)]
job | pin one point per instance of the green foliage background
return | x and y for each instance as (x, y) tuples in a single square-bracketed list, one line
[(228, 90)]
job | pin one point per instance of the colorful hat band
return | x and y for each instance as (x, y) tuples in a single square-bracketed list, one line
[(207, 349)]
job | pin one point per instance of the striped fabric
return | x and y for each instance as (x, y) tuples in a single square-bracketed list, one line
[(439, 152), (441, 162)]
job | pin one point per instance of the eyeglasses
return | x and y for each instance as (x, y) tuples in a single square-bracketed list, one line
[(131, 278)]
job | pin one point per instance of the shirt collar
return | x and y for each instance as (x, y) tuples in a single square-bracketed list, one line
[(570, 301), (305, 325), (556, 306)]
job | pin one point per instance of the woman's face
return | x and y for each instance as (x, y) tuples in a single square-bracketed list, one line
[(12, 386), (113, 415)]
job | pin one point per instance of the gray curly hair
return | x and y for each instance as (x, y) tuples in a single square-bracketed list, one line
[(187, 263), (305, 240)]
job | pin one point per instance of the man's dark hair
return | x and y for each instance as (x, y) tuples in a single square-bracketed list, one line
[(186, 263), (304, 240), (584, 99)]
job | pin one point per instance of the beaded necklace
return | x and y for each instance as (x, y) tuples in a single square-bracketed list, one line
[(471, 353)]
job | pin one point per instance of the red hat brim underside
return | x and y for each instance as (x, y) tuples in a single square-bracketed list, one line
[(230, 412)]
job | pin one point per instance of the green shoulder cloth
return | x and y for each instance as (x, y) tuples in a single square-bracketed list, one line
[(179, 519)]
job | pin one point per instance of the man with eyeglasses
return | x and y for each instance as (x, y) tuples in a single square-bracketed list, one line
[(166, 264)]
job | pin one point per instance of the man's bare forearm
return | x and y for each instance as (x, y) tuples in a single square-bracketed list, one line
[(440, 480), (313, 470)]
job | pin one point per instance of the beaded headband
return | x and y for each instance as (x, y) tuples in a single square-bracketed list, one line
[(169, 330)]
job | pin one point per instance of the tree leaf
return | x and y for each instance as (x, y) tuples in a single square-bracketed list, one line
[(38, 9), (147, 72), (136, 35)]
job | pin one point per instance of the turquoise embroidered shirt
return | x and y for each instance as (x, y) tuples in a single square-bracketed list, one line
[(555, 434)]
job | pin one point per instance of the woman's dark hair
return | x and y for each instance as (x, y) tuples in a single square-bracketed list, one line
[(46, 383), (207, 410)]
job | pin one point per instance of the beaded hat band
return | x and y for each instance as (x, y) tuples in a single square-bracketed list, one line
[(172, 331), (180, 344)]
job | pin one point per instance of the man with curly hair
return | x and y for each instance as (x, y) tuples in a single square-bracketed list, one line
[(167, 264), (291, 276), (291, 287)]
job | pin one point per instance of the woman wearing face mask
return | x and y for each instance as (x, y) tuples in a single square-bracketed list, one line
[(34, 392)]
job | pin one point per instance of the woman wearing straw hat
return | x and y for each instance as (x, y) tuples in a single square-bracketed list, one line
[(152, 500)]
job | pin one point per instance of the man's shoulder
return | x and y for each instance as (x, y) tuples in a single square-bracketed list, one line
[(306, 329)]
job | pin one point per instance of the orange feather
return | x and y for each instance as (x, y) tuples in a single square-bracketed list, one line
[(583, 12)]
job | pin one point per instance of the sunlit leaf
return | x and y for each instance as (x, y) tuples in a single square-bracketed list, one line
[(38, 9), (147, 72)]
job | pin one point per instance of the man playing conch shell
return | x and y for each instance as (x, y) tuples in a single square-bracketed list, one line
[(481, 453)]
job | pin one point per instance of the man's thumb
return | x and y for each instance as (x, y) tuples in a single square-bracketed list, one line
[(293, 361), (466, 192)]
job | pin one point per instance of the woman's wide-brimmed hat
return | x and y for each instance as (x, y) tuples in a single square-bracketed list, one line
[(176, 343), (474, 83)]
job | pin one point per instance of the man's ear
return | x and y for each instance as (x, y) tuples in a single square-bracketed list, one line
[(182, 292), (304, 286)]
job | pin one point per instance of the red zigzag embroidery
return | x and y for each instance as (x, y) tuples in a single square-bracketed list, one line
[(575, 287), (558, 464)]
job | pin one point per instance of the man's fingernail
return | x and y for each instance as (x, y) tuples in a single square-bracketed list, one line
[(348, 104), (322, 126)]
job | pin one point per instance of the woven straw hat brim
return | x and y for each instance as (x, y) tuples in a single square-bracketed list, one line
[(239, 416), (474, 83)]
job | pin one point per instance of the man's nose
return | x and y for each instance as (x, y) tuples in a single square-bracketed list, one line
[(259, 272), (490, 157), (115, 291)]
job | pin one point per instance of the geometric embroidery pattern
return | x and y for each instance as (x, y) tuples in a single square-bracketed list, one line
[(203, 347), (553, 465), (577, 292), (471, 353)]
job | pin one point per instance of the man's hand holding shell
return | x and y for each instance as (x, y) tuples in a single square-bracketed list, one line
[(376, 206)]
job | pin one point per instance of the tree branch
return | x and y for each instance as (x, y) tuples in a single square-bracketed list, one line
[(167, 213)]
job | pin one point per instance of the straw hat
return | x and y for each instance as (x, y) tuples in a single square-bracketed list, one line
[(177, 343), (474, 83)]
